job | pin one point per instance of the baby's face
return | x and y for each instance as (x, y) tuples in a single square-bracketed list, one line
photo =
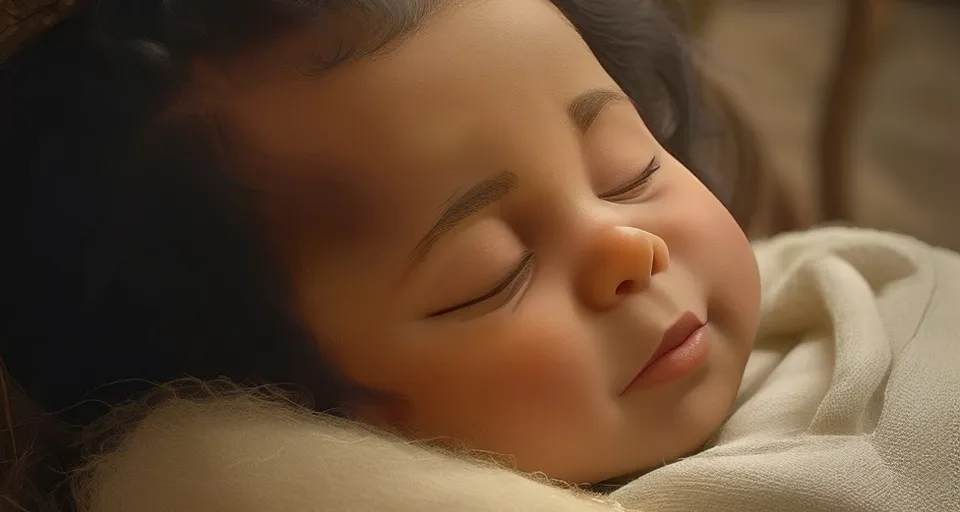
[(479, 223)]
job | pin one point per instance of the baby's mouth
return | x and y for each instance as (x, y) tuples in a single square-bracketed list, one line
[(680, 349)]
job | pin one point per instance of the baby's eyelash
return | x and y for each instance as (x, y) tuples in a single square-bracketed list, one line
[(512, 284), (636, 182), (521, 279)]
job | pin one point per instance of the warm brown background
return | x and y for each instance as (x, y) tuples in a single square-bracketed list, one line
[(775, 57)]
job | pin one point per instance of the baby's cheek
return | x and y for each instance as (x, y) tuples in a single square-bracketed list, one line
[(735, 284), (508, 383), (706, 240), (536, 363)]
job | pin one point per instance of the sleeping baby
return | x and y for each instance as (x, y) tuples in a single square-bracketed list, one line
[(476, 235)]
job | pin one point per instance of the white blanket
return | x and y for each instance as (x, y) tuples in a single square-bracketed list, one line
[(850, 402)]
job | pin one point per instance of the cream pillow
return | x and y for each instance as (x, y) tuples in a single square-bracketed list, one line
[(243, 454)]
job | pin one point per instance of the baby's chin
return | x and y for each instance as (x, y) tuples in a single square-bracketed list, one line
[(697, 432)]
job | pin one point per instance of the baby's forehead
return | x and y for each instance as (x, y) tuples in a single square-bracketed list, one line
[(502, 51), (394, 134)]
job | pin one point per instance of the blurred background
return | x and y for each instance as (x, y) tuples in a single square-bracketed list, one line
[(853, 105)]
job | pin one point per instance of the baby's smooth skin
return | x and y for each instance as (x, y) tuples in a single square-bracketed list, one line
[(509, 243)]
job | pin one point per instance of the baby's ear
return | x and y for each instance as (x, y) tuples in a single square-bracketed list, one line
[(241, 455)]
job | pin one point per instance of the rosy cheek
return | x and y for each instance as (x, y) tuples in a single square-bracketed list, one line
[(522, 373)]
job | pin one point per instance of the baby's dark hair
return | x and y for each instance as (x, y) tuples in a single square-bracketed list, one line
[(137, 259)]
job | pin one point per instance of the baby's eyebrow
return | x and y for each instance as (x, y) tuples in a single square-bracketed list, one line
[(586, 107), (582, 110), (462, 207)]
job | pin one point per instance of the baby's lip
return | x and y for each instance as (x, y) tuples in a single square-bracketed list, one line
[(673, 337), (686, 325)]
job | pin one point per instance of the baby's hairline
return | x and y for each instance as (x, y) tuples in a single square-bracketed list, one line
[(362, 30)]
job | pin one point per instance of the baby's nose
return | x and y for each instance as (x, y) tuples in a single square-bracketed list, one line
[(619, 261)]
